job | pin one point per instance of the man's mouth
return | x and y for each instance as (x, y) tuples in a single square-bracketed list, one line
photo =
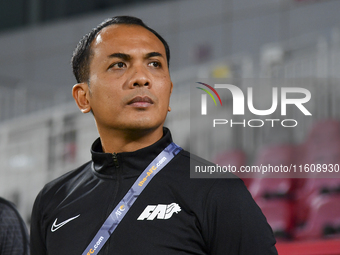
[(140, 101)]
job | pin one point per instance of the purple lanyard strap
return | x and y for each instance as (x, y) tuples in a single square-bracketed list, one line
[(130, 197)]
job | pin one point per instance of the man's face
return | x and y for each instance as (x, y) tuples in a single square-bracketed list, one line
[(129, 80)]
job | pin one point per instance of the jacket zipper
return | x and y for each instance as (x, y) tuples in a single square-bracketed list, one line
[(116, 163), (115, 159)]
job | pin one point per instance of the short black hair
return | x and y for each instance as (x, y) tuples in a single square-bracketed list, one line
[(82, 53)]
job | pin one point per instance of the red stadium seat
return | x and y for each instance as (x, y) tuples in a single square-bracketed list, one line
[(322, 148), (271, 188), (313, 188), (276, 155), (279, 214), (323, 219), (323, 144)]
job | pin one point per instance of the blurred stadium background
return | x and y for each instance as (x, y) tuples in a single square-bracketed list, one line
[(43, 135)]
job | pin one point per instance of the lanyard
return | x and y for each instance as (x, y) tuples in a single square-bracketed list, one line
[(130, 197)]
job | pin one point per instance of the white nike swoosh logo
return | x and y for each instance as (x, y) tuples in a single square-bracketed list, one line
[(56, 226)]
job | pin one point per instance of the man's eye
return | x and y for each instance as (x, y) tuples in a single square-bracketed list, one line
[(117, 65), (155, 64), (120, 64)]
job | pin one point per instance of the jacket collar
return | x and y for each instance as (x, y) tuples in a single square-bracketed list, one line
[(126, 164)]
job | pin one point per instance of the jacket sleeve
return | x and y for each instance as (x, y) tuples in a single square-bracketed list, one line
[(37, 235), (13, 231), (234, 223)]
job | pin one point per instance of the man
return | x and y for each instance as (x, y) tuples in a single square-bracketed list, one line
[(13, 232), (123, 78)]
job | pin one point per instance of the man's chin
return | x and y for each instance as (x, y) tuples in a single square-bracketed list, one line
[(142, 126)]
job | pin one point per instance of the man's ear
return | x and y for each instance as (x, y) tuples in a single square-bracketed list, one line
[(81, 93), (172, 86)]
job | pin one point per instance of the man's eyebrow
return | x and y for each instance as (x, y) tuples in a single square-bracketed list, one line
[(120, 55), (153, 54), (127, 57)]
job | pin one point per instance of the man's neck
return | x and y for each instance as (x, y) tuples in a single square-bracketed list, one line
[(116, 141)]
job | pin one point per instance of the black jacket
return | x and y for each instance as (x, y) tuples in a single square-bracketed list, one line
[(173, 215)]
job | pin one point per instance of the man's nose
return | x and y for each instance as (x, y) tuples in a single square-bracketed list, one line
[(140, 77)]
